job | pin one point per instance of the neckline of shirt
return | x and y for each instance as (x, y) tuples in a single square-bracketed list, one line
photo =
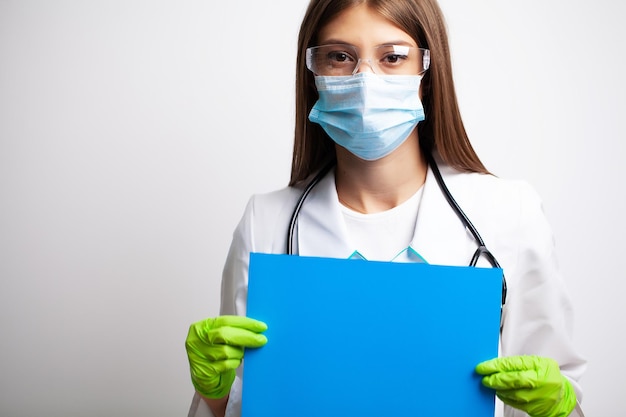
[(410, 202)]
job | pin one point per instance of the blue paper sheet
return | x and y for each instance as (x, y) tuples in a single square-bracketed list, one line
[(363, 338)]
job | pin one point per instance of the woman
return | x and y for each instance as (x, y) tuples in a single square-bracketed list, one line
[(376, 105)]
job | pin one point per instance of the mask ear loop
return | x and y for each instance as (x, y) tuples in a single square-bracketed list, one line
[(482, 248)]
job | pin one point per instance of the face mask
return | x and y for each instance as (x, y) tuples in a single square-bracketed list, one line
[(368, 114)]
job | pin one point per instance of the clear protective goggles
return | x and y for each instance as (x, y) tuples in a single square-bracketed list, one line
[(342, 59)]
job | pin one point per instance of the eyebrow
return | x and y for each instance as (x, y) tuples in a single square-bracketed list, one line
[(396, 42)]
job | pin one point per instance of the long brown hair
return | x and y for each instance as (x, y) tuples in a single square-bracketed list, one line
[(443, 128)]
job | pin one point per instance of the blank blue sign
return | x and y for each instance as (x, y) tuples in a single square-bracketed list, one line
[(364, 338)]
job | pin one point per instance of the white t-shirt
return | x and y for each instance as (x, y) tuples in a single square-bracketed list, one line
[(382, 236)]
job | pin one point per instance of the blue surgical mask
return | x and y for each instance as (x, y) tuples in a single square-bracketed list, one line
[(369, 115)]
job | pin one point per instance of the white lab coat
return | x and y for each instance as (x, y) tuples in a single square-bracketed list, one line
[(537, 317)]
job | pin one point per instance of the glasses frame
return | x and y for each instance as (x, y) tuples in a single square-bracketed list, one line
[(370, 61)]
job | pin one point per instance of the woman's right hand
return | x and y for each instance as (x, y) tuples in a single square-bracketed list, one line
[(215, 349)]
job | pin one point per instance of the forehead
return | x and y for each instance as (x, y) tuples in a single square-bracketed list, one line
[(362, 26)]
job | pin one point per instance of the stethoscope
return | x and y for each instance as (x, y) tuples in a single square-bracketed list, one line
[(481, 250)]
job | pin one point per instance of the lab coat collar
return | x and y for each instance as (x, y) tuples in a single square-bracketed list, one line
[(321, 228), (439, 236)]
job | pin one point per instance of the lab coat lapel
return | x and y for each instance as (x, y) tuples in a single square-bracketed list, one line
[(440, 237), (321, 228)]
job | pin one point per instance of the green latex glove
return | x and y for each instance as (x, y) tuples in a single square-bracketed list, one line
[(215, 349), (530, 383)]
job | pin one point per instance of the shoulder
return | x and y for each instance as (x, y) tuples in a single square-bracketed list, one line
[(506, 212), (266, 218), (274, 206), (491, 193)]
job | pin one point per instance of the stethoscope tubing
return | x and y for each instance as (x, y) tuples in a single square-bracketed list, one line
[(296, 211), (480, 251), (482, 248)]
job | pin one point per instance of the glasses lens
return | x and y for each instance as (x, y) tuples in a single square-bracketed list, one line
[(399, 59), (387, 59), (332, 59)]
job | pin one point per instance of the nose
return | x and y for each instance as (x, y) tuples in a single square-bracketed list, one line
[(361, 68)]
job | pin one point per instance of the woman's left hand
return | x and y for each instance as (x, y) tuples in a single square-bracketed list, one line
[(533, 384)]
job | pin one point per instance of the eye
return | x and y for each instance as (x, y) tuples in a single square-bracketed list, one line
[(339, 57), (392, 59)]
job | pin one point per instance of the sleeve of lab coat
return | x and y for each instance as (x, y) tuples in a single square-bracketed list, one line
[(538, 315), (233, 302), (262, 228)]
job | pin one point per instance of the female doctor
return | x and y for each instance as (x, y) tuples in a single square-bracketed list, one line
[(383, 170)]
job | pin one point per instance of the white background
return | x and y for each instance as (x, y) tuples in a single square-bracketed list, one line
[(133, 132)]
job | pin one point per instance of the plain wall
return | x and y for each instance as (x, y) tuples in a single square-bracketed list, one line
[(133, 132)]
